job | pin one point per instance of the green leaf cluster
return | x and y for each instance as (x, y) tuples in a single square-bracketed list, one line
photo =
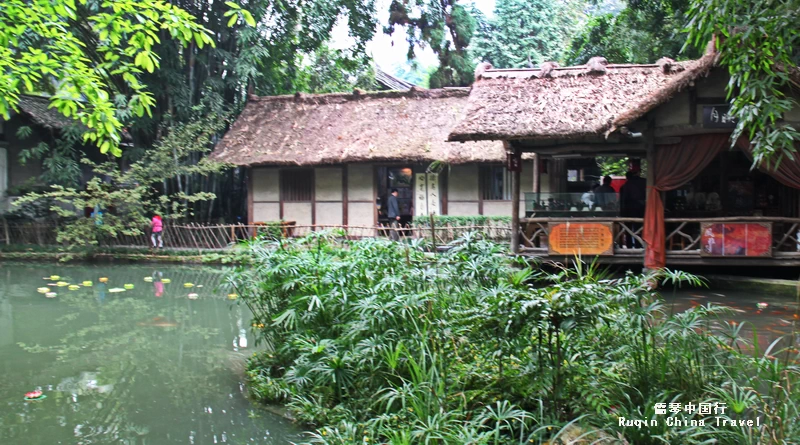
[(87, 52)]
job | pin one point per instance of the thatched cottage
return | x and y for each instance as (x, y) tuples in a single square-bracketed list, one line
[(704, 204), (332, 159)]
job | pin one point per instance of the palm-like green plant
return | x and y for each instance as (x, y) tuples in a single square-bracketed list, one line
[(372, 341)]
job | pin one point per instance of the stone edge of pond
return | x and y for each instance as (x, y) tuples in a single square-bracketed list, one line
[(783, 288), (213, 258)]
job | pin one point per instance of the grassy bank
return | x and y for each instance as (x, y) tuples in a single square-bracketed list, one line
[(128, 254), (382, 343)]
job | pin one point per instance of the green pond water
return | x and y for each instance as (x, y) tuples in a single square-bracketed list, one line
[(145, 366), (776, 317)]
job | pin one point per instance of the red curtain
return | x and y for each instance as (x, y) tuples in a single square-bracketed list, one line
[(787, 173), (673, 166)]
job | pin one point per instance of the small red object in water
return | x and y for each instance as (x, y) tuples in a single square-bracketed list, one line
[(33, 394)]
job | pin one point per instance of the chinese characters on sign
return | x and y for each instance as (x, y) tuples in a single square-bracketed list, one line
[(426, 194), (718, 116), (581, 239)]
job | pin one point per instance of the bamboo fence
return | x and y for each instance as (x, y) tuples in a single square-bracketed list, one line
[(196, 236)]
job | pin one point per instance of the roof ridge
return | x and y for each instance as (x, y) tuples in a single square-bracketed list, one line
[(413, 93)]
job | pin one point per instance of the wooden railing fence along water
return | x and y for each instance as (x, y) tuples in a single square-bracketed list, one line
[(683, 236), (223, 236)]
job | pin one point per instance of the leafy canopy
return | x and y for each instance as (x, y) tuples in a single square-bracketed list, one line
[(758, 44), (91, 53), (526, 33), (447, 27)]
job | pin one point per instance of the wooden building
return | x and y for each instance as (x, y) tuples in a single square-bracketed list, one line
[(704, 205), (332, 159)]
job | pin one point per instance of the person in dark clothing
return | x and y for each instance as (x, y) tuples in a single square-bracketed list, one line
[(604, 196), (632, 197), (393, 212)]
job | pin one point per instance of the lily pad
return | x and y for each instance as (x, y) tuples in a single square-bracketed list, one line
[(55, 277), (148, 279), (51, 295), (62, 284), (166, 281), (232, 296), (188, 285), (193, 296), (73, 287), (103, 280), (128, 286), (87, 283), (43, 290), (115, 290)]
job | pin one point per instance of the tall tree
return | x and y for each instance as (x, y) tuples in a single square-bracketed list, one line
[(759, 44), (524, 33), (642, 32), (447, 27)]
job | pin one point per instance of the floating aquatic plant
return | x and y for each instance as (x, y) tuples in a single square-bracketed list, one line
[(128, 286), (193, 296), (43, 290), (51, 295), (87, 283), (115, 290)]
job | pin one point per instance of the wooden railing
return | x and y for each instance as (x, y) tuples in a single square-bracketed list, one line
[(683, 235), (223, 236)]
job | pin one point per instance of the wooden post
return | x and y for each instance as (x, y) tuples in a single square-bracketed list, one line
[(649, 136), (5, 231), (515, 186)]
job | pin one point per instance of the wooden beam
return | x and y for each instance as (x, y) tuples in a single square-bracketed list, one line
[(686, 130), (250, 172), (344, 195), (588, 149), (650, 139), (443, 191), (711, 101), (515, 227), (668, 141)]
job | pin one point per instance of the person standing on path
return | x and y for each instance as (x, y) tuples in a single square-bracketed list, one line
[(157, 226), (393, 212)]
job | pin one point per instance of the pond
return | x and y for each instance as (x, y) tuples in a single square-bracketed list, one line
[(147, 365), (769, 316)]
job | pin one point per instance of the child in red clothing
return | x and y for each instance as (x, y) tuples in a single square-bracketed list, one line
[(156, 226)]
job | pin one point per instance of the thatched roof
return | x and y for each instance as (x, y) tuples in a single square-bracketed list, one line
[(572, 103), (36, 107), (304, 129)]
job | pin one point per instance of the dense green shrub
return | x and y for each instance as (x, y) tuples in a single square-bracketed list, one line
[(372, 341)]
